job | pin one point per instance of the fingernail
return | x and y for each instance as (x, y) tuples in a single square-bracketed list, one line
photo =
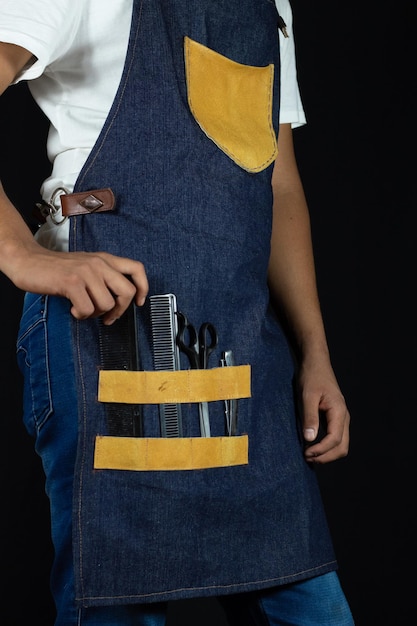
[(309, 434)]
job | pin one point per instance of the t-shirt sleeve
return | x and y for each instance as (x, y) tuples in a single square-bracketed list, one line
[(291, 107), (44, 27)]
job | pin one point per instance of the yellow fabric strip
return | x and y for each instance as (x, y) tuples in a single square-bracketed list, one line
[(166, 387), (160, 454)]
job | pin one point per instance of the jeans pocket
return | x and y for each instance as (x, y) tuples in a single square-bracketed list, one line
[(32, 358), (232, 103)]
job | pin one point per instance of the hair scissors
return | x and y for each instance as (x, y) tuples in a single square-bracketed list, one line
[(198, 348)]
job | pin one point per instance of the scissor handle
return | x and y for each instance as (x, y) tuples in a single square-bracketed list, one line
[(190, 347), (205, 349)]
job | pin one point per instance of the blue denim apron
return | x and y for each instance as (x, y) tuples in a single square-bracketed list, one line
[(193, 203)]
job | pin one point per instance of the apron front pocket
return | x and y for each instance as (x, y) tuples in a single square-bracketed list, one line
[(232, 103), (177, 453)]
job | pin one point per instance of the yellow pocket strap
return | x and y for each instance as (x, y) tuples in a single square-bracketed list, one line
[(182, 386), (165, 454)]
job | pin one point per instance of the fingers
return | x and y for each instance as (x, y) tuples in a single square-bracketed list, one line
[(105, 286), (335, 444), (326, 422), (97, 284), (102, 299)]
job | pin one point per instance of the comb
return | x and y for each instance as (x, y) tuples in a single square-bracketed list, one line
[(166, 355), (119, 350)]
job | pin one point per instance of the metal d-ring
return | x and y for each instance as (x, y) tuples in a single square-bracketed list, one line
[(49, 208)]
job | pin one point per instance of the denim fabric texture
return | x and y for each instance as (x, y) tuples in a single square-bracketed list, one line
[(318, 601), (201, 225), (50, 413), (45, 357)]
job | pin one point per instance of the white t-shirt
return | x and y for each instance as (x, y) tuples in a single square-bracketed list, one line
[(67, 38)]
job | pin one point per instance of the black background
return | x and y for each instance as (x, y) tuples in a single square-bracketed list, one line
[(356, 156)]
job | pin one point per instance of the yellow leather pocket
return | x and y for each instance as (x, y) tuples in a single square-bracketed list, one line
[(232, 103), (164, 454)]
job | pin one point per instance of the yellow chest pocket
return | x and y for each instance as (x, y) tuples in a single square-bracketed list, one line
[(232, 103)]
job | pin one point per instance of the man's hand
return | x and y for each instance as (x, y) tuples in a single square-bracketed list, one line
[(320, 394), (97, 284)]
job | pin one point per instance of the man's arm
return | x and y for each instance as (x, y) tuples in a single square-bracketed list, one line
[(293, 286), (96, 284)]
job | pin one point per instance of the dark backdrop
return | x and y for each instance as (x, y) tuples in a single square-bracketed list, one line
[(356, 158)]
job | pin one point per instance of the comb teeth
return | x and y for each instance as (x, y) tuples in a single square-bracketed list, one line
[(166, 355), (164, 332), (170, 414)]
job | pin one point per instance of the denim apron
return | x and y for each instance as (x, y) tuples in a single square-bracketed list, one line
[(188, 150)]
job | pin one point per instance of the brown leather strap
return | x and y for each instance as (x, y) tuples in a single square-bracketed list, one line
[(95, 201)]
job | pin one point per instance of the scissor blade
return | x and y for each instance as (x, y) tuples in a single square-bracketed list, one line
[(230, 405), (204, 419)]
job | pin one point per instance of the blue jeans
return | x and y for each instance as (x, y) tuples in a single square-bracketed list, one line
[(50, 415), (317, 601)]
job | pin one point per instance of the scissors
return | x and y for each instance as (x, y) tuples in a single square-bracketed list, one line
[(198, 348)]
